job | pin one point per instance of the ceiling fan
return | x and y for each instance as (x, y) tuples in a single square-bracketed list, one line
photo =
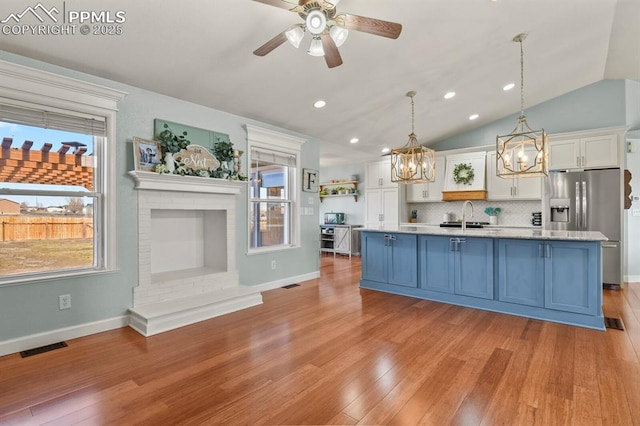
[(329, 29)]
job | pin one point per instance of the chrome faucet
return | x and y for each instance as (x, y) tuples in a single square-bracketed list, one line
[(464, 221)]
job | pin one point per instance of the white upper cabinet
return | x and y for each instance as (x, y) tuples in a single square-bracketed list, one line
[(378, 174), (584, 152), (513, 188), (428, 192)]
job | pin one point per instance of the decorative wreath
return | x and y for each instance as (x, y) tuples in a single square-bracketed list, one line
[(463, 173)]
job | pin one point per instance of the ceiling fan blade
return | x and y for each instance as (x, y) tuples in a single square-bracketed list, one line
[(283, 4), (369, 25), (270, 45), (331, 53)]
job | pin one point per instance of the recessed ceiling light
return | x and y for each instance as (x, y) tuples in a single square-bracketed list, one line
[(509, 87), (385, 150), (473, 116), (449, 95), (319, 104), (354, 140)]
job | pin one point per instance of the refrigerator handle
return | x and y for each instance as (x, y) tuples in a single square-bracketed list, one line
[(584, 204), (578, 204)]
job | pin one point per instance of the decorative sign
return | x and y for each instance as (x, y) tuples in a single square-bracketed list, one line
[(310, 180), (196, 157)]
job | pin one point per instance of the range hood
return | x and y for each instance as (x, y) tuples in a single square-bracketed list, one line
[(475, 188)]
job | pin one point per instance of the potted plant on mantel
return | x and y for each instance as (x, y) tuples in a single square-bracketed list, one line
[(171, 144)]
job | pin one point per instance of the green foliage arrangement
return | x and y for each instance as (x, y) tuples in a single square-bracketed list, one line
[(223, 150), (170, 142), (492, 211), (463, 174)]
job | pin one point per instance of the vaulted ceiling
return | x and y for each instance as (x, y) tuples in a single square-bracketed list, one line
[(201, 51)]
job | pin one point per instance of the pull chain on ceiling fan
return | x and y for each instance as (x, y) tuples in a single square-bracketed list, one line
[(328, 29)]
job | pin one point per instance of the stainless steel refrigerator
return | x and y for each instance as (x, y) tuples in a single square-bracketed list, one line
[(589, 200)]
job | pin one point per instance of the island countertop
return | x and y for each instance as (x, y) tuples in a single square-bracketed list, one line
[(519, 233)]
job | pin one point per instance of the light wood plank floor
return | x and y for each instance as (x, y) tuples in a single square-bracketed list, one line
[(327, 352)]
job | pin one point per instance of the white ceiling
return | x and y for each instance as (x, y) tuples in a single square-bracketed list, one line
[(201, 51)]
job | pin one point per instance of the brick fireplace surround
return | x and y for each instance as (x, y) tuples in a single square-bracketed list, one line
[(186, 252)]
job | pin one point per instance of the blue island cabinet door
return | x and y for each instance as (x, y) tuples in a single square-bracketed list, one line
[(403, 260), (473, 272), (573, 276), (436, 259), (374, 256), (521, 271)]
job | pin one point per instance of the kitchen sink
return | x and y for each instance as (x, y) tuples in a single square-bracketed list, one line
[(459, 224)]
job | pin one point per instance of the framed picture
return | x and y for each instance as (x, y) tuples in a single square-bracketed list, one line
[(310, 181), (146, 154)]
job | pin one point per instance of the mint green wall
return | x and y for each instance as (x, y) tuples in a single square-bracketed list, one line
[(354, 210), (632, 100), (33, 308), (595, 106)]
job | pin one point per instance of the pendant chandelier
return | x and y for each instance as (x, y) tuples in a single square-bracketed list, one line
[(524, 152), (413, 163)]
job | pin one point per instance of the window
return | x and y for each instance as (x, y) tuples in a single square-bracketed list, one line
[(271, 204), (56, 171), (273, 210)]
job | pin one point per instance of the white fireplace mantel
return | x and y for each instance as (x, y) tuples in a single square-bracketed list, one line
[(196, 278), (170, 182)]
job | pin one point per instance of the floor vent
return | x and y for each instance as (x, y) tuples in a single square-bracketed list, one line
[(615, 323), (291, 286), (615, 287), (42, 349)]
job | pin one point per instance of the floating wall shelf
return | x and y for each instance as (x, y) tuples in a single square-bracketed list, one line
[(351, 189)]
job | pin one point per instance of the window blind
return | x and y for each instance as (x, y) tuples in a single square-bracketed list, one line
[(52, 119), (273, 157)]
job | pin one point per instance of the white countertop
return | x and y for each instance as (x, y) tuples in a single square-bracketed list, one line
[(496, 232)]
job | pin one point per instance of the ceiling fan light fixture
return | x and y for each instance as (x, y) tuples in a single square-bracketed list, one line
[(339, 35), (315, 48), (295, 35), (316, 22)]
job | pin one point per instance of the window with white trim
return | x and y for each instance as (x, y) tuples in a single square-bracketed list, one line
[(56, 175), (273, 191)]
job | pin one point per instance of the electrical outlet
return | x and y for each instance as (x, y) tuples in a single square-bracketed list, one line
[(273, 264), (64, 300), (636, 212)]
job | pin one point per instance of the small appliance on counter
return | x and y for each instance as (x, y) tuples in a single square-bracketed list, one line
[(536, 218), (334, 218)]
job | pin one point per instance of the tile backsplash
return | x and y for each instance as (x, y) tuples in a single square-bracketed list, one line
[(513, 213)]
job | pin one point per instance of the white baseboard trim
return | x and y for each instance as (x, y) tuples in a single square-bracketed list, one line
[(36, 340), (286, 281), (632, 278), (49, 337)]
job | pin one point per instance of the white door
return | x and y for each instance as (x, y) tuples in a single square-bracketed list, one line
[(564, 154), (497, 188), (417, 193), (600, 151), (435, 188), (390, 206), (341, 239), (373, 208)]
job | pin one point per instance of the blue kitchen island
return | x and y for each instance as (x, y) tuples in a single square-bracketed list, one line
[(547, 275)]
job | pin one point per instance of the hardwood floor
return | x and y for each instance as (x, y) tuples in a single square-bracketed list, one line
[(327, 352)]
